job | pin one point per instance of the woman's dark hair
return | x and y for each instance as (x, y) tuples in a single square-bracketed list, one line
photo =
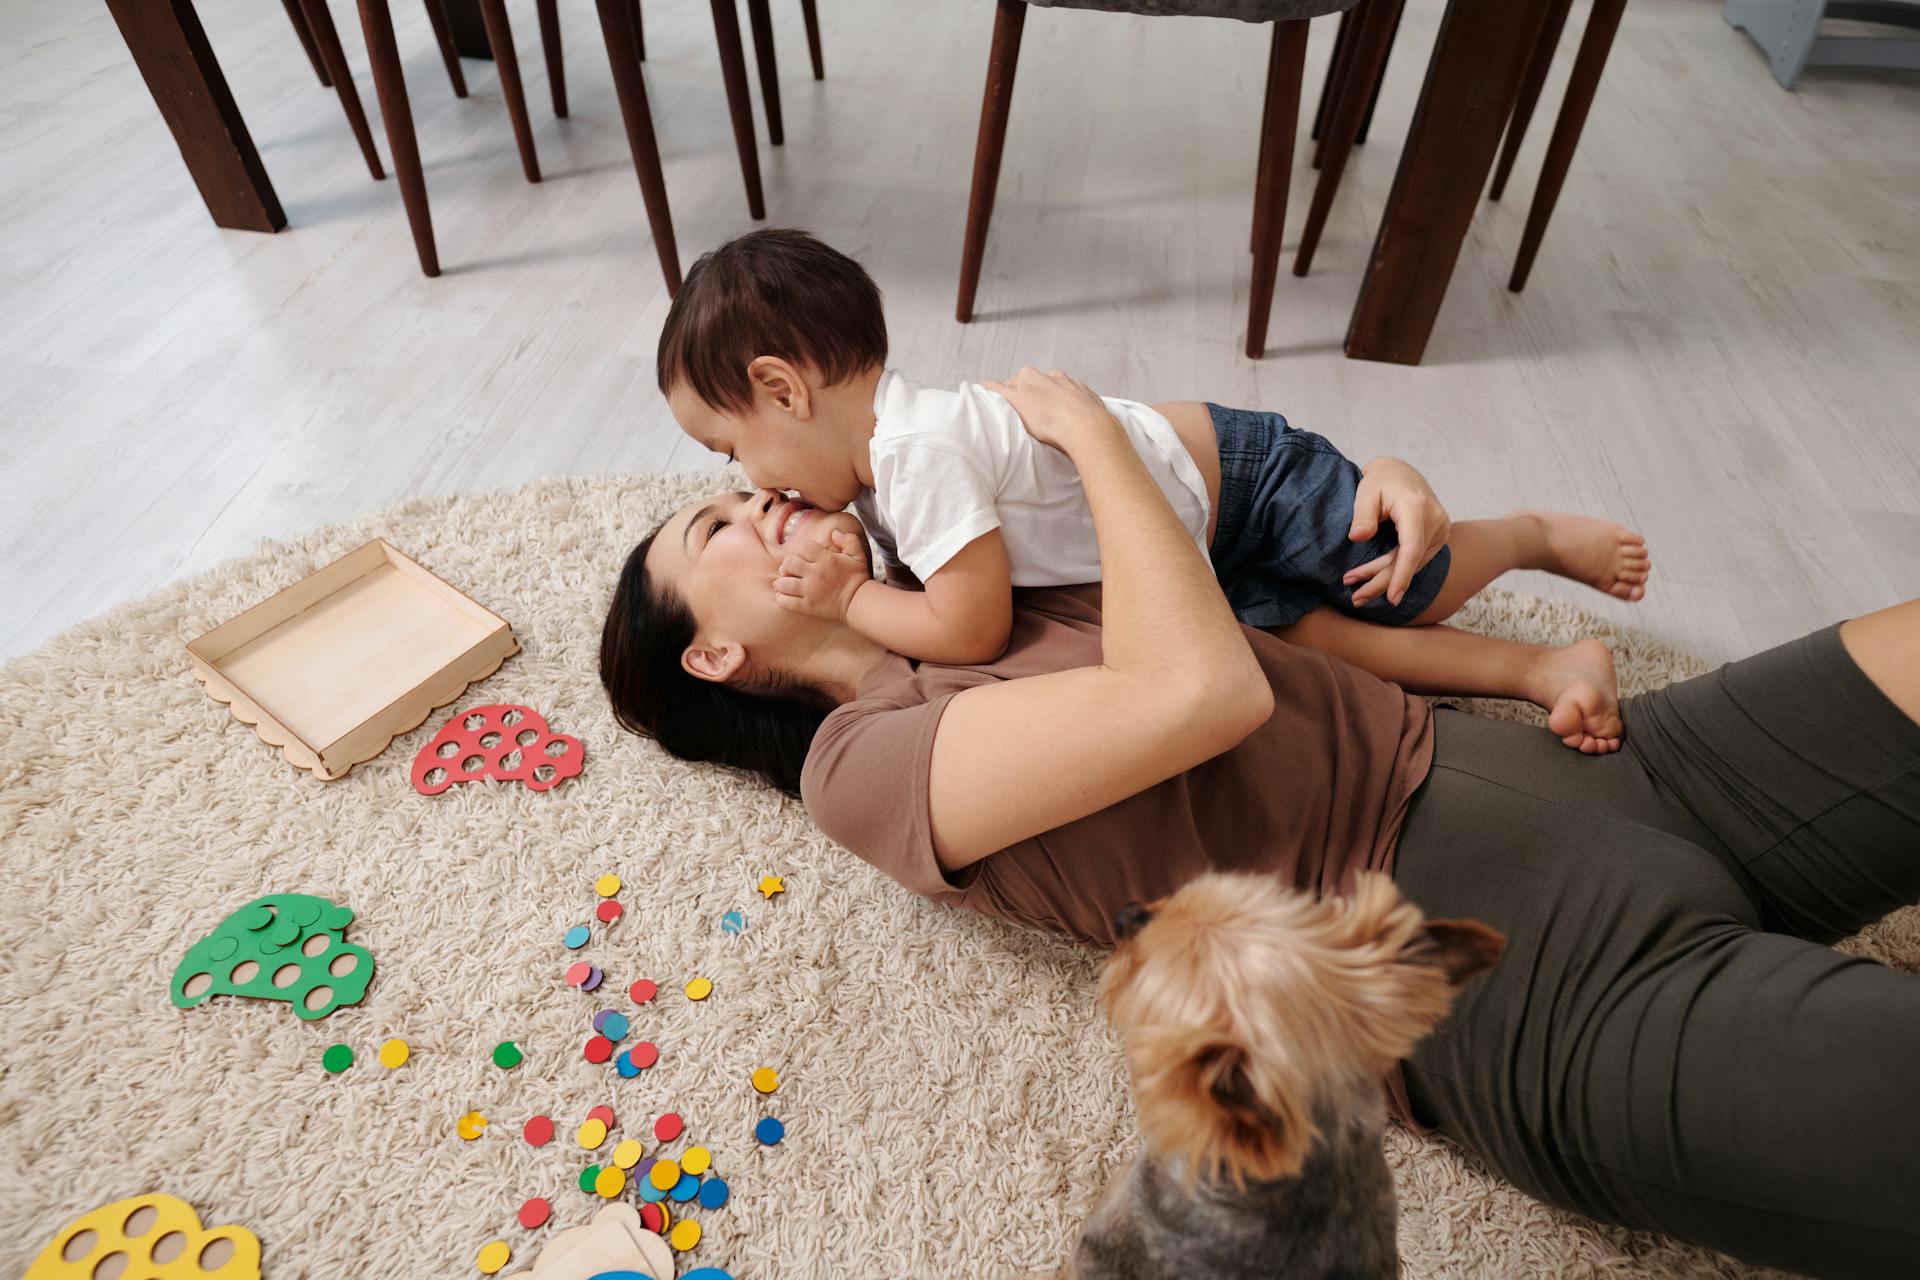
[(765, 729), (776, 292)]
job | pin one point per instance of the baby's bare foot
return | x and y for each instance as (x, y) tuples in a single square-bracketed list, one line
[(1577, 687), (1606, 556)]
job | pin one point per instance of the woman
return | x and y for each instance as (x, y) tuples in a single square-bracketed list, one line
[(1668, 1043)]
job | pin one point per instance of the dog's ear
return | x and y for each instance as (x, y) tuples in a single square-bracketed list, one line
[(1461, 948), (1222, 1069)]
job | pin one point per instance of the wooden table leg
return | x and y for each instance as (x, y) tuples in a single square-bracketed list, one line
[(733, 70), (616, 29), (549, 12), (443, 36), (171, 50), (1469, 92), (1002, 61), (500, 36), (1538, 63), (810, 15), (305, 33), (469, 29), (1602, 22)]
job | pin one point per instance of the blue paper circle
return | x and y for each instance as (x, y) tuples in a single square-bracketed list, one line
[(686, 1189), (614, 1026), (769, 1131), (624, 1065), (577, 937), (713, 1193)]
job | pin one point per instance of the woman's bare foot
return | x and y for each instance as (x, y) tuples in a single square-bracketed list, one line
[(1606, 556), (1577, 687)]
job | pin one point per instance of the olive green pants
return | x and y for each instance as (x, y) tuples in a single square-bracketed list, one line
[(1668, 1042)]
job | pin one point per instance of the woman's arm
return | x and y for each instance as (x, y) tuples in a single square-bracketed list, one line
[(1177, 682)]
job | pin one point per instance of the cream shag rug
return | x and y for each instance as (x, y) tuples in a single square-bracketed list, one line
[(952, 1102)]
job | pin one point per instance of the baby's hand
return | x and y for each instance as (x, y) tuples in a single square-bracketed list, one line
[(820, 581), (1052, 405)]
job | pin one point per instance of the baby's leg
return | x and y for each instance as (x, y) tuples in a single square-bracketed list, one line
[(1574, 684), (1606, 556)]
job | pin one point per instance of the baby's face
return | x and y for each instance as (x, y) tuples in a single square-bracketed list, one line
[(776, 450)]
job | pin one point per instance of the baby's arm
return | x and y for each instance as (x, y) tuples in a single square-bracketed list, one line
[(964, 613)]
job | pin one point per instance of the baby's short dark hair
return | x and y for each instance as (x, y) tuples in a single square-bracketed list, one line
[(778, 292)]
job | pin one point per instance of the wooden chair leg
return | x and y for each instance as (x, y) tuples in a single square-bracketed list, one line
[(1588, 65), (1369, 50), (1260, 156), (762, 21), (500, 37), (1342, 36), (1339, 71), (1379, 78), (300, 28), (1009, 19), (733, 70), (1534, 77), (616, 29), (1286, 66), (549, 11), (376, 23), (443, 36), (639, 33), (810, 14), (326, 39)]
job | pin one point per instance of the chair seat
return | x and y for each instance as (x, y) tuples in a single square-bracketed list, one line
[(1244, 10)]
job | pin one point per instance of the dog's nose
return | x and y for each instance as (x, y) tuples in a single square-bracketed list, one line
[(1130, 919)]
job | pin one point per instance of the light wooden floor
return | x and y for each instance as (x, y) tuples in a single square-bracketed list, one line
[(1720, 344)]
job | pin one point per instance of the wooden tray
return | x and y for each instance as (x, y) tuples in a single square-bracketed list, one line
[(336, 666)]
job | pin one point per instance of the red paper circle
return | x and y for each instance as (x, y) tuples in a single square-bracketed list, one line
[(643, 991), (668, 1127), (534, 1212), (599, 1049), (608, 911), (603, 1113), (539, 1131), (644, 1054)]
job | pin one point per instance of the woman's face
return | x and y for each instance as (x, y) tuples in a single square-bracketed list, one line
[(721, 556)]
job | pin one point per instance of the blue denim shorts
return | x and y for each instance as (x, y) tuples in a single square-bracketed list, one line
[(1280, 545)]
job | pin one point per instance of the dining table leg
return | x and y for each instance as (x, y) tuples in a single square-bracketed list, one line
[(170, 48), (1472, 82)]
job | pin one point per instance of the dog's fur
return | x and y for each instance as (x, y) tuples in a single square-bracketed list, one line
[(1258, 1025)]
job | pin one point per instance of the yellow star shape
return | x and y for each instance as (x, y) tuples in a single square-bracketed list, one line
[(770, 885)]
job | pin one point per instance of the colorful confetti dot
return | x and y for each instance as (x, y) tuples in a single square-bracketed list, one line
[(610, 1182), (394, 1054), (766, 1079), (607, 885), (664, 1174), (684, 1190), (506, 1055), (336, 1059), (732, 922), (615, 1027), (534, 1213), (608, 911), (588, 1176), (599, 1049), (696, 1161), (713, 1193), (685, 1235), (644, 1054), (593, 979), (576, 937), (578, 972), (603, 1113), (642, 991), (699, 989), (653, 1217), (628, 1153), (624, 1065), (769, 1131), (668, 1127), (470, 1125), (493, 1257), (538, 1131), (592, 1133)]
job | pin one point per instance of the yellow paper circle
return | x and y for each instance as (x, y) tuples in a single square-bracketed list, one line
[(699, 989), (610, 1183), (592, 1133), (493, 1257), (470, 1125), (766, 1079), (685, 1234), (394, 1053), (608, 885), (664, 1174), (697, 1160), (628, 1154)]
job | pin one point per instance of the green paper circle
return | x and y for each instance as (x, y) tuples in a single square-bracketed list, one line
[(506, 1055), (337, 1058), (588, 1175)]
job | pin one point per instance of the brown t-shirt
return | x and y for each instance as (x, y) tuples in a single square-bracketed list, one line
[(1314, 795)]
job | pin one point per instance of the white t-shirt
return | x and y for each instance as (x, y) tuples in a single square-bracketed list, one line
[(950, 465)]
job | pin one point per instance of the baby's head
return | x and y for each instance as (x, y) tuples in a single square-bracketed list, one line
[(769, 355)]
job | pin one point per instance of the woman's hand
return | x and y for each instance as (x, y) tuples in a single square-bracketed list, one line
[(819, 580), (1390, 490), (1053, 407)]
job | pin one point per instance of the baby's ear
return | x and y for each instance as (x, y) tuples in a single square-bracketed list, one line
[(1461, 948)]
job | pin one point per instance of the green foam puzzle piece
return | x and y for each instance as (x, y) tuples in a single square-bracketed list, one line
[(271, 933)]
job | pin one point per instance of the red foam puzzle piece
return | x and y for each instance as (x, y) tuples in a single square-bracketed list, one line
[(536, 752)]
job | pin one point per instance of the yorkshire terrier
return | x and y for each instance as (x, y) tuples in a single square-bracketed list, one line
[(1258, 1025)]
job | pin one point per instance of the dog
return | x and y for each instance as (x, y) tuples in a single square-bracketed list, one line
[(1258, 1024)]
